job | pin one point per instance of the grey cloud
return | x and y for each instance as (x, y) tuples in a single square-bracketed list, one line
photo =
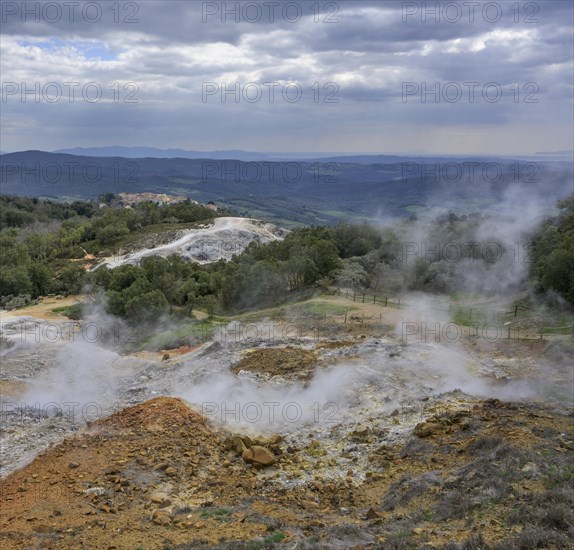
[(369, 54)]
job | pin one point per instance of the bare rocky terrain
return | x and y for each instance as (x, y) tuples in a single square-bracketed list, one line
[(342, 437), (222, 239)]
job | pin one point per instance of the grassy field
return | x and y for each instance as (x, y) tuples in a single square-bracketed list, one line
[(193, 332), (315, 307)]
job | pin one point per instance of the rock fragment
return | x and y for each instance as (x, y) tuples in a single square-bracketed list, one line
[(259, 455)]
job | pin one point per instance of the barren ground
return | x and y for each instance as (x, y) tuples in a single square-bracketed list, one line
[(401, 446)]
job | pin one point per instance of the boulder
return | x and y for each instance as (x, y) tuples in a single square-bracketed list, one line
[(238, 443), (259, 455)]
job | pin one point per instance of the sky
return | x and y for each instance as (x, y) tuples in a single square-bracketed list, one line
[(385, 77)]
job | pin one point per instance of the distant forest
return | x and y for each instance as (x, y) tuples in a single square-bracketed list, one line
[(296, 193)]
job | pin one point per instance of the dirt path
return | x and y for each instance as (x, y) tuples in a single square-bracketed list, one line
[(200, 315), (372, 312)]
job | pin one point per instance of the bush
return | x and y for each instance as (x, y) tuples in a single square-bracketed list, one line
[(5, 343), (18, 301)]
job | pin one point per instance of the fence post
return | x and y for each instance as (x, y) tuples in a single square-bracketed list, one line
[(515, 311), (374, 298), (509, 331), (363, 298), (386, 301), (345, 318), (380, 317), (353, 296)]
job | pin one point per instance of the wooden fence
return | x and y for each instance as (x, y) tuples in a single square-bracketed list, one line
[(478, 317)]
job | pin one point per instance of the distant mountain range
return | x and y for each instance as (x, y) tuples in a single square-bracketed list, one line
[(312, 191), (237, 154), (144, 152), (234, 154)]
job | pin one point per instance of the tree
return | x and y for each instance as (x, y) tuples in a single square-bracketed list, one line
[(15, 281), (325, 256), (299, 272), (72, 279), (111, 233), (353, 276), (558, 270), (419, 275), (124, 276), (553, 252), (40, 276), (147, 308), (107, 198)]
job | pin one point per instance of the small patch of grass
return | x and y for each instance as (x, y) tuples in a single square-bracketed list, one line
[(186, 509), (558, 475), (188, 334), (315, 308), (275, 538), (223, 515), (73, 312)]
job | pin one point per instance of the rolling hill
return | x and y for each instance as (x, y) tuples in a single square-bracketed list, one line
[(322, 191)]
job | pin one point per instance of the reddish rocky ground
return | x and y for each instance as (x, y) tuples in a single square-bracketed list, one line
[(157, 475)]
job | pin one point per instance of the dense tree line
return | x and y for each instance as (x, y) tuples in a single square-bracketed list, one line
[(24, 211), (38, 250), (553, 253)]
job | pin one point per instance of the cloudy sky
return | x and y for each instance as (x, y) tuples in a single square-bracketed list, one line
[(348, 76)]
